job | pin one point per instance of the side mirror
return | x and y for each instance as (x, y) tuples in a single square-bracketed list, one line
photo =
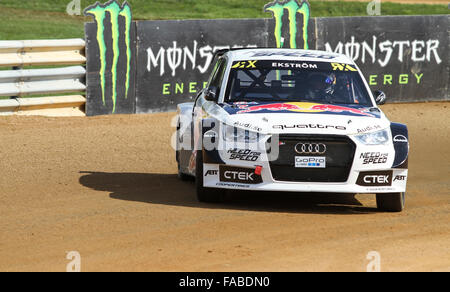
[(380, 97), (211, 93)]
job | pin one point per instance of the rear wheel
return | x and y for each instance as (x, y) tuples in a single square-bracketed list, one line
[(207, 195), (391, 202)]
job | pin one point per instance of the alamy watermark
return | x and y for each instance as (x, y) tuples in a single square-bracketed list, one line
[(374, 8), (74, 8), (75, 261), (374, 264)]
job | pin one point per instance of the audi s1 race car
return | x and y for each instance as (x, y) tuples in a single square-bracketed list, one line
[(294, 121)]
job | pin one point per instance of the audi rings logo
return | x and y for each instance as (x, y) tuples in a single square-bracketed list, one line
[(310, 148)]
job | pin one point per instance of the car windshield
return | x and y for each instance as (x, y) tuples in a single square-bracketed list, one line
[(323, 82)]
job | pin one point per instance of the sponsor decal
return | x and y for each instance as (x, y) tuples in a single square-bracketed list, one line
[(294, 65), (369, 129), (385, 189), (400, 138), (243, 155), (231, 185), (211, 172), (375, 178), (400, 178), (248, 126), (324, 56), (211, 134), (310, 148), (374, 157), (115, 13), (310, 162), (308, 126), (292, 7), (342, 67), (239, 175), (302, 107), (245, 64)]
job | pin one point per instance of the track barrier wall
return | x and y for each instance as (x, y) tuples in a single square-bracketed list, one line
[(405, 56), (59, 79)]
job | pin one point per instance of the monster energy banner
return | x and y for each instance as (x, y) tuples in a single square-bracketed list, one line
[(151, 66), (407, 57), (111, 59)]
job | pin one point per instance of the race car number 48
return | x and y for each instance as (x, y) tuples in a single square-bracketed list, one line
[(310, 162)]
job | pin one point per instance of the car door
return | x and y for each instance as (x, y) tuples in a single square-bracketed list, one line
[(197, 112)]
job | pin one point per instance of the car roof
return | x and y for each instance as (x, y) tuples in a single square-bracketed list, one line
[(287, 55)]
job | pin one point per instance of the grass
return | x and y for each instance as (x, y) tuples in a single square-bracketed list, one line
[(43, 19)]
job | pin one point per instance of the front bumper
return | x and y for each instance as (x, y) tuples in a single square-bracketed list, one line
[(363, 171), (213, 179)]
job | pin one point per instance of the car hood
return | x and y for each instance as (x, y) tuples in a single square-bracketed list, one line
[(304, 117)]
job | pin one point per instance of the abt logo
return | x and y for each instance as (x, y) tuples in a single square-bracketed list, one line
[(375, 178), (400, 178), (239, 175), (211, 172)]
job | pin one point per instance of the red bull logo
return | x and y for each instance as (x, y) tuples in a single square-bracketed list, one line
[(304, 107), (267, 107), (339, 109)]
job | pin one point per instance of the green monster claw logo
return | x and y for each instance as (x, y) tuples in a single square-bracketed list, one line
[(277, 8), (115, 11)]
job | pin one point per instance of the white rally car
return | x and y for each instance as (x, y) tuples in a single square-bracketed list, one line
[(294, 121)]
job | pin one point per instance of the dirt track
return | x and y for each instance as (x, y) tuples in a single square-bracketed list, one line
[(106, 187)]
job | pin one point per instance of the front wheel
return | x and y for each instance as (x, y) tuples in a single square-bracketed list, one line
[(391, 202), (206, 195)]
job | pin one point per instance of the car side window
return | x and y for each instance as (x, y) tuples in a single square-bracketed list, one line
[(217, 78)]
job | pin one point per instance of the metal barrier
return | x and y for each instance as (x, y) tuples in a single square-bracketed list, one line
[(48, 81)]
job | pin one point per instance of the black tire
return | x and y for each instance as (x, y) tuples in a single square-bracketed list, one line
[(206, 195), (391, 202)]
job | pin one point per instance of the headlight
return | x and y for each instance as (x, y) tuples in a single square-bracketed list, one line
[(375, 138), (234, 134)]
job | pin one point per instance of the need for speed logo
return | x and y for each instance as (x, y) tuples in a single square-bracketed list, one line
[(374, 157), (243, 155)]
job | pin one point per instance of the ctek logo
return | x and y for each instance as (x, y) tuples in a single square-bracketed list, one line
[(239, 175), (278, 8), (375, 178), (114, 11)]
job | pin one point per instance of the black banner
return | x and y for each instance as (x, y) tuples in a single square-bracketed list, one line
[(405, 56), (174, 57)]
